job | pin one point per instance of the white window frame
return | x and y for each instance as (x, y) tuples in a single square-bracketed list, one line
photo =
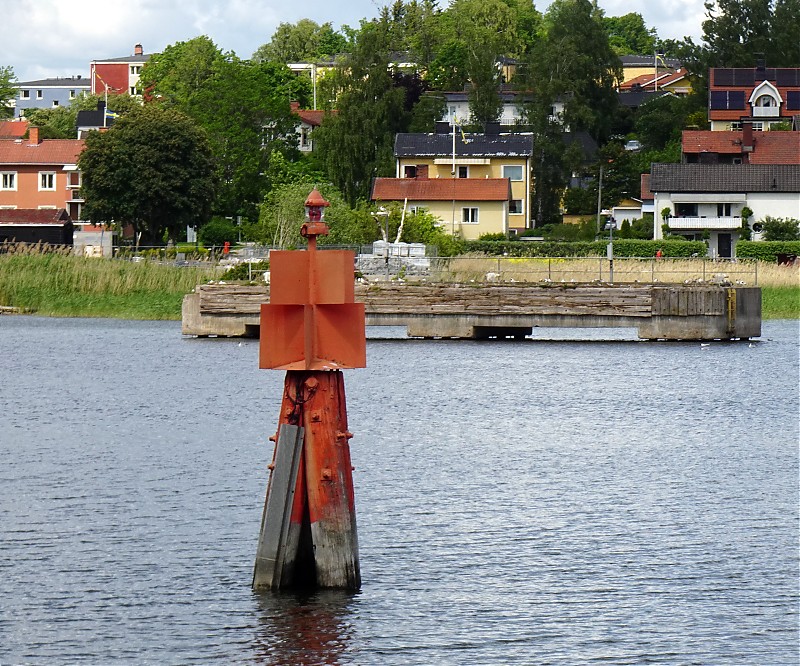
[(39, 94), (469, 215), (24, 94), (72, 94), (514, 167), (458, 170), (55, 103), (515, 212), (47, 181), (8, 181)]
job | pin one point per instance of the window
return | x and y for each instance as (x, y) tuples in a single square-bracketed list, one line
[(47, 180), (685, 210), (72, 94), (469, 215), (766, 100), (515, 207), (8, 180), (24, 94), (409, 171), (39, 94), (136, 69), (512, 171), (736, 126), (463, 172), (417, 210), (55, 102), (723, 210), (74, 178), (133, 91)]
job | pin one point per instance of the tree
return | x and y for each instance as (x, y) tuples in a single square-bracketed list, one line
[(735, 30), (356, 144), (153, 170), (243, 106), (300, 42), (781, 229), (7, 91), (573, 62), (628, 34)]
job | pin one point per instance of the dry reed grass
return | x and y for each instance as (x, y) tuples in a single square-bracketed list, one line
[(664, 270)]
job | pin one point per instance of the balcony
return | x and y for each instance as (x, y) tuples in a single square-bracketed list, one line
[(705, 222), (766, 111)]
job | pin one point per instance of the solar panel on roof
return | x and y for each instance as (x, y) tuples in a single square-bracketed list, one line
[(723, 77), (787, 77)]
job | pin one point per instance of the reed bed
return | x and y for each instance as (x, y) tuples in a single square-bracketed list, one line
[(58, 284)]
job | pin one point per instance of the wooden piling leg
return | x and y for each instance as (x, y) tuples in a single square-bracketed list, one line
[(277, 542), (329, 481), (308, 533)]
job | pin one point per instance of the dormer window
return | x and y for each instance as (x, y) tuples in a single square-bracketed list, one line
[(766, 101)]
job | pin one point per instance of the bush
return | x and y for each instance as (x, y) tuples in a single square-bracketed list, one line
[(766, 250), (218, 231), (629, 247), (244, 270), (781, 229), (492, 237)]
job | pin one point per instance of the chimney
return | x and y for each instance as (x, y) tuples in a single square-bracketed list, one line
[(747, 137), (422, 172), (138, 50), (33, 136)]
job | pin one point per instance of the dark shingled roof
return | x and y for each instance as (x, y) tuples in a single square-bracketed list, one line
[(725, 178), (29, 216), (480, 145), (476, 145)]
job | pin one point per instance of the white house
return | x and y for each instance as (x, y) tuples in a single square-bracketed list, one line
[(710, 197)]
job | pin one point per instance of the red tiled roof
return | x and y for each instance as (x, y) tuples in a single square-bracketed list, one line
[(441, 189), (768, 147), (13, 129), (30, 216), (313, 118), (48, 151)]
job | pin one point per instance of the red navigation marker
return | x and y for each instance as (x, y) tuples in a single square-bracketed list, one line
[(312, 328), (312, 321)]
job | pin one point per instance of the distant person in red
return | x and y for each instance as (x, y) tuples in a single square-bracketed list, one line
[(226, 248), (659, 254)]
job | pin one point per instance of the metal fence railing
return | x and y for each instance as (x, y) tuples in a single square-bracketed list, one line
[(592, 269)]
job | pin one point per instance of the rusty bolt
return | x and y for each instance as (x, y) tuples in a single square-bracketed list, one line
[(316, 417), (273, 438), (271, 466), (344, 435), (312, 383), (326, 474)]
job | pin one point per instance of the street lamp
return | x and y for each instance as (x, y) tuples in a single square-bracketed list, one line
[(610, 225), (382, 212)]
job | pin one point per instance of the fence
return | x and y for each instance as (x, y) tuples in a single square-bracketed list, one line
[(570, 269)]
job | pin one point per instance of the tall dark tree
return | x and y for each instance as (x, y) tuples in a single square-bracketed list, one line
[(356, 144), (574, 63), (735, 30), (153, 170)]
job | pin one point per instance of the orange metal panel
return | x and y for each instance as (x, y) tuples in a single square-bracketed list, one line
[(282, 342), (340, 339), (335, 276), (289, 274)]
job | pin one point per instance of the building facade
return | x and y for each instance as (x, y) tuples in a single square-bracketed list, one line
[(48, 93), (118, 75)]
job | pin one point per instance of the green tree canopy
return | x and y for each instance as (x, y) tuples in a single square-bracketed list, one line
[(629, 35), (300, 42), (153, 170), (356, 144), (7, 91)]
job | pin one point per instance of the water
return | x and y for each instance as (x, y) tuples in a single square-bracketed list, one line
[(535, 502)]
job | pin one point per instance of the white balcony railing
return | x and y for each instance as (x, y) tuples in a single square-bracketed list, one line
[(705, 222), (766, 111)]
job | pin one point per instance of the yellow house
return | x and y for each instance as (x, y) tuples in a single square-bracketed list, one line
[(471, 157), (466, 207)]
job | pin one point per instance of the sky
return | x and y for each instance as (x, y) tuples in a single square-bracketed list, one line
[(53, 38)]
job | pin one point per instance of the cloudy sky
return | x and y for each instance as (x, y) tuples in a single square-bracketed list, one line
[(49, 38)]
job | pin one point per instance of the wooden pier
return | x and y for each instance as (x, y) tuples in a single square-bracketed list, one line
[(446, 310)]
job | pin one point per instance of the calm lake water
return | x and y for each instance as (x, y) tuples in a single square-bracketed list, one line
[(533, 502)]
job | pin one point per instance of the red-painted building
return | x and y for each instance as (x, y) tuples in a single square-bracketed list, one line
[(118, 75)]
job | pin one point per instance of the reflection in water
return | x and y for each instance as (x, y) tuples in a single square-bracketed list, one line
[(303, 628)]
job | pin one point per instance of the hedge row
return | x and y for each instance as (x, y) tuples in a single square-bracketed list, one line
[(622, 248), (766, 250)]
